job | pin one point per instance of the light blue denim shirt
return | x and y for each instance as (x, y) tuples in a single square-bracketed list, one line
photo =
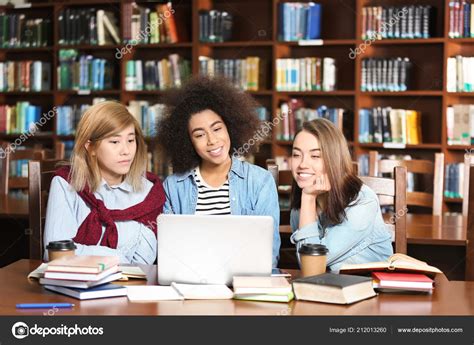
[(362, 237), (252, 191), (66, 211)]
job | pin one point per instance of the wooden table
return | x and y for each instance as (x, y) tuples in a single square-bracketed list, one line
[(16, 288), (14, 205), (448, 229)]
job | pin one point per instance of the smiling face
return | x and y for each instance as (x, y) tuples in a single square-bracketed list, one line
[(210, 138), (115, 155), (306, 162)]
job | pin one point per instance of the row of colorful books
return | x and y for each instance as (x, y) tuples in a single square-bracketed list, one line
[(150, 26), (460, 124), (87, 26), (157, 75), (83, 72), (454, 180), (215, 26), (461, 19), (306, 74), (299, 21), (460, 74), (382, 74), (414, 21), (19, 118), (389, 125), (25, 76), (246, 74), (18, 31), (293, 114)]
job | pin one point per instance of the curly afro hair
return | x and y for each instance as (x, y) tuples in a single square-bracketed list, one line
[(236, 108)]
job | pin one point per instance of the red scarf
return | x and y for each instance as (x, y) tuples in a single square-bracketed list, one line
[(145, 212)]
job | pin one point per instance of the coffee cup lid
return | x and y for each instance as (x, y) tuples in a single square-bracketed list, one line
[(313, 249), (61, 245)]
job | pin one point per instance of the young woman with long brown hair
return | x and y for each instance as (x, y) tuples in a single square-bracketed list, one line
[(330, 204)]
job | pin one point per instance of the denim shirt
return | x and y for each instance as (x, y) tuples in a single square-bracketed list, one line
[(252, 191), (362, 236)]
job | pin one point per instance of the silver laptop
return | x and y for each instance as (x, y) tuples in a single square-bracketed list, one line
[(199, 249)]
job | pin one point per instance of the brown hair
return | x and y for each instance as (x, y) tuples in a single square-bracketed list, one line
[(345, 185), (99, 122)]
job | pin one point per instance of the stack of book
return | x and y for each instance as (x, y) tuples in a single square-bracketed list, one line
[(83, 72), (400, 273), (460, 70), (454, 180), (147, 115), (215, 26), (87, 26), (293, 114), (157, 75), (84, 277), (306, 74), (389, 281), (380, 74), (299, 21), (461, 19), (387, 125), (145, 26), (460, 124), (19, 118), (414, 21), (17, 31), (246, 74), (271, 289), (25, 76)]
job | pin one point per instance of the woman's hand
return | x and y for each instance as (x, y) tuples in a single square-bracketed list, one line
[(320, 185)]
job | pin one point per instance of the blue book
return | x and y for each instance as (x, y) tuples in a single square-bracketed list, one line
[(467, 20), (101, 291), (102, 74), (313, 30)]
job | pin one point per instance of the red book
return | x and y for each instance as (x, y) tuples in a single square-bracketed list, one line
[(402, 281)]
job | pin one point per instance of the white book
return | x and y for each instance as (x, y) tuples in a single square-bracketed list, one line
[(471, 121), (80, 276), (80, 284), (451, 77), (329, 74), (403, 125), (450, 125), (139, 74), (252, 285), (100, 28), (459, 74), (461, 180)]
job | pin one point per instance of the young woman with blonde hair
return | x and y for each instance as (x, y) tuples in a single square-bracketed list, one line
[(105, 201), (330, 204)]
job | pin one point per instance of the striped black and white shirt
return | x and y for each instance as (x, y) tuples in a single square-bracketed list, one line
[(211, 201)]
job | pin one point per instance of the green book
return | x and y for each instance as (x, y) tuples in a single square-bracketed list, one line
[(285, 298)]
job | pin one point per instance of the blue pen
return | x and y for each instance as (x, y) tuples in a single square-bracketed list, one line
[(43, 305)]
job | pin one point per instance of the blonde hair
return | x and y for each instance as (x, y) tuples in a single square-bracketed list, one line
[(99, 122)]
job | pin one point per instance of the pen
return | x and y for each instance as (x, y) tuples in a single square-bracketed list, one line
[(43, 305)]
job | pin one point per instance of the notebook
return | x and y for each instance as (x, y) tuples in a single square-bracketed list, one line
[(101, 291)]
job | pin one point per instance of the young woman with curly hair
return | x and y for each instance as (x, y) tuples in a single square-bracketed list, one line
[(205, 122), (330, 204)]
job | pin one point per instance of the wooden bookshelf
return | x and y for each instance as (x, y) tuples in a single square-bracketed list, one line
[(256, 34)]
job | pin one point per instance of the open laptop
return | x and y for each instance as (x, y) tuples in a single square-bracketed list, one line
[(200, 249)]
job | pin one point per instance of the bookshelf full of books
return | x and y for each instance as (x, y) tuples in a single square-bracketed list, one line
[(394, 76)]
